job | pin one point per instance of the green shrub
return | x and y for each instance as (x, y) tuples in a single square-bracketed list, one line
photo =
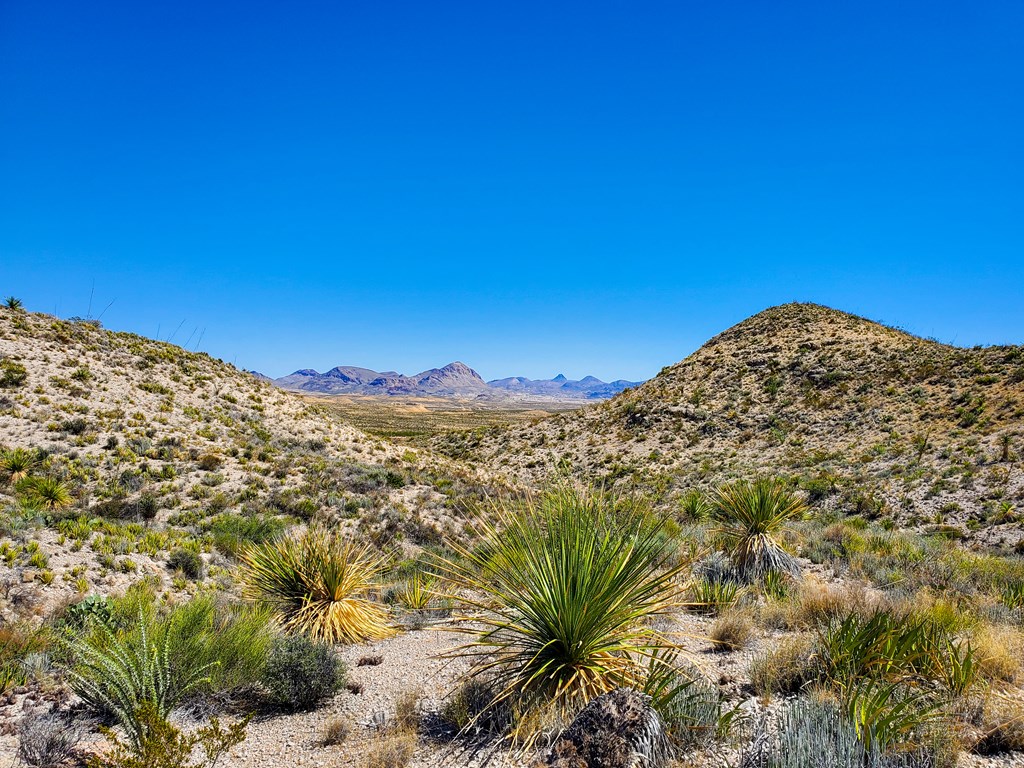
[(163, 745), (301, 673), (186, 561), (232, 533), (12, 374), (231, 640)]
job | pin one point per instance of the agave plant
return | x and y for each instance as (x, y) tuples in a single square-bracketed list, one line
[(570, 584), (17, 463), (319, 584), (13, 302), (749, 516), (44, 492)]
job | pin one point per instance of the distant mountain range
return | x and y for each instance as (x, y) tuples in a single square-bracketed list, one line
[(453, 380)]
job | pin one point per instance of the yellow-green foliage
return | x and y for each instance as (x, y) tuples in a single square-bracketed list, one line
[(319, 584)]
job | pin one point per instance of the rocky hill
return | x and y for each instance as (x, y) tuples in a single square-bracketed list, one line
[(453, 380), (136, 431), (866, 418)]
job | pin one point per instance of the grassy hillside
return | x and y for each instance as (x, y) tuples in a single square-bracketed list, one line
[(864, 417)]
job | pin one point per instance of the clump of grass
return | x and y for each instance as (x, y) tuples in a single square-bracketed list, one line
[(1002, 727), (732, 631), (749, 517), (334, 732), (786, 668), (319, 584), (711, 597), (390, 749), (571, 583)]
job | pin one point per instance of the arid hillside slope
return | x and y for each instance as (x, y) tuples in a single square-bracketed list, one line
[(138, 431), (865, 417)]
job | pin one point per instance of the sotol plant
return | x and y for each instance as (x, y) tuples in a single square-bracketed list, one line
[(17, 463), (44, 492), (569, 587), (320, 585), (749, 516)]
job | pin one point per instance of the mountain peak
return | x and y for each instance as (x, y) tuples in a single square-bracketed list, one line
[(560, 377)]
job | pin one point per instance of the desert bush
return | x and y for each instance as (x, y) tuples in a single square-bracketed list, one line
[(46, 740), (731, 631), (187, 562), (749, 516), (571, 583), (12, 374), (163, 745), (231, 640), (786, 668), (18, 643), (300, 673), (232, 533), (319, 584)]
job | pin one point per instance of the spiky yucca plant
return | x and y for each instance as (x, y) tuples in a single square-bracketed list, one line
[(17, 463), (569, 585), (44, 492), (749, 516), (319, 584), (13, 302)]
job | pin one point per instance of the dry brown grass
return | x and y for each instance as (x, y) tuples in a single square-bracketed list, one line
[(1002, 727), (390, 749), (731, 631), (815, 601), (334, 732), (786, 668), (999, 650)]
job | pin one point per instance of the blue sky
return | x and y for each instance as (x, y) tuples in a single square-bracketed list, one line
[(532, 188)]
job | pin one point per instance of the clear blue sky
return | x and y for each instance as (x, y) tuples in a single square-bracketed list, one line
[(530, 187)]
